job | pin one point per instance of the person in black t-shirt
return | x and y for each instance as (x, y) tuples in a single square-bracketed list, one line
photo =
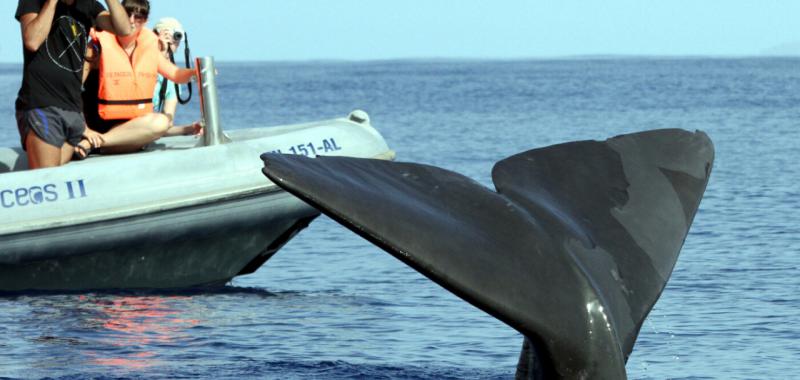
[(48, 106)]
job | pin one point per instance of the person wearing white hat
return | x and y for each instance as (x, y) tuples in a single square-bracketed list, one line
[(170, 34)]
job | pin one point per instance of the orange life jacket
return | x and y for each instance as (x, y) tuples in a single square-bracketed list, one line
[(127, 83)]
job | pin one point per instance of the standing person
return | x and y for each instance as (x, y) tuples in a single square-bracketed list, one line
[(48, 105), (128, 68)]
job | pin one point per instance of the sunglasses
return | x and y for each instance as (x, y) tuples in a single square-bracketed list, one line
[(137, 13)]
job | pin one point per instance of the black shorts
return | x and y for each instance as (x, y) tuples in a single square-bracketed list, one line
[(53, 125)]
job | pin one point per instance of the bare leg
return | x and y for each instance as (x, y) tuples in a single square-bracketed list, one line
[(40, 153), (66, 153), (132, 135)]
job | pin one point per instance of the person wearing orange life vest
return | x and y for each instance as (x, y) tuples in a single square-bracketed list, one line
[(128, 67)]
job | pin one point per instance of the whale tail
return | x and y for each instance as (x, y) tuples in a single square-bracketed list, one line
[(572, 250)]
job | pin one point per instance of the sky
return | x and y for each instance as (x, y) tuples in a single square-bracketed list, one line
[(300, 30)]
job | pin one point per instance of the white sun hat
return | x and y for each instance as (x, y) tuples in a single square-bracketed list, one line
[(168, 23)]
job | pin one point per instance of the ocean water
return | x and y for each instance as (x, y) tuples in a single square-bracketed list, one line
[(330, 305)]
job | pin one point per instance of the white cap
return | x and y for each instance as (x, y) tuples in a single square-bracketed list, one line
[(168, 23)]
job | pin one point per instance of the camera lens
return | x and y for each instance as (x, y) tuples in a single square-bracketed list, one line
[(177, 36)]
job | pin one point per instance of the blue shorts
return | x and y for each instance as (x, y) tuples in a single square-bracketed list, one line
[(53, 125)]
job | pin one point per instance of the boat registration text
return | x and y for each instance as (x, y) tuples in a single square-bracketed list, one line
[(311, 149)]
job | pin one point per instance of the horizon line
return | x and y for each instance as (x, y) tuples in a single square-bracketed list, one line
[(575, 57)]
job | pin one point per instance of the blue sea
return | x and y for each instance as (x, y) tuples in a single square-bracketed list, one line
[(332, 306)]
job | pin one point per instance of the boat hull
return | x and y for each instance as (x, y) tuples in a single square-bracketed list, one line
[(195, 246)]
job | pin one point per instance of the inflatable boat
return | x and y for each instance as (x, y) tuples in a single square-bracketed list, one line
[(185, 212)]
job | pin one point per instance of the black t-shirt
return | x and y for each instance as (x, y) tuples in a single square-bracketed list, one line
[(52, 75)]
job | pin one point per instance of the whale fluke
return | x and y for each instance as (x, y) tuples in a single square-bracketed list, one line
[(572, 250)]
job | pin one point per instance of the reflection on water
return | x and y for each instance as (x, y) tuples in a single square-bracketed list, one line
[(101, 334), (133, 325)]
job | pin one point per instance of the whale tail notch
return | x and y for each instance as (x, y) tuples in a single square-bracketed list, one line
[(573, 248)]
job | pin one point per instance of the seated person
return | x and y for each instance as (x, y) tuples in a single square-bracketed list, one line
[(127, 69), (170, 34), (165, 98)]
